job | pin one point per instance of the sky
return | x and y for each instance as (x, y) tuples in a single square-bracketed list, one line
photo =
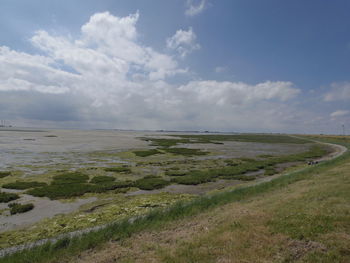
[(227, 65)]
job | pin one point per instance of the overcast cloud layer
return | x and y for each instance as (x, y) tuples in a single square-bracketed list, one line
[(108, 78)]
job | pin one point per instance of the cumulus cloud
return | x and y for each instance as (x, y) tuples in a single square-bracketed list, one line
[(194, 7), (183, 42), (107, 76), (339, 113), (338, 92)]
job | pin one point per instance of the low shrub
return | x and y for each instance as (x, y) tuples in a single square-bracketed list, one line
[(16, 208), (4, 174), (118, 169), (7, 197), (21, 185)]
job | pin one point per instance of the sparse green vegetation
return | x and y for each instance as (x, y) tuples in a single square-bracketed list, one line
[(7, 197), (147, 153), (21, 185), (16, 208), (4, 174)]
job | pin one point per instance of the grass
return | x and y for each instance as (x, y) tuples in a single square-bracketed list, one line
[(147, 153), (7, 197), (21, 185), (4, 174), (63, 250), (16, 208)]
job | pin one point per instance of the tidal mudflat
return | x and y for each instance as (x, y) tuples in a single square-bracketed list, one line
[(79, 179)]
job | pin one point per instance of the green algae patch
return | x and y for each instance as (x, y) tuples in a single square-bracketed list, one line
[(112, 210)]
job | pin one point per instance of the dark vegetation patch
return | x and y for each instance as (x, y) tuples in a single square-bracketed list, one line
[(4, 174), (147, 153), (7, 197), (126, 170), (175, 173), (270, 171), (74, 184), (16, 208), (151, 182), (102, 179), (70, 178), (21, 185), (185, 151)]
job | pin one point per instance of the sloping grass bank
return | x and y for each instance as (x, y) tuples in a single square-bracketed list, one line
[(62, 250)]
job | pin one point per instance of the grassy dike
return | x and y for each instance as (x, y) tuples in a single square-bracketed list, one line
[(289, 220)]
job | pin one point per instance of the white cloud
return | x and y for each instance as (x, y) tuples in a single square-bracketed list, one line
[(183, 42), (339, 113), (107, 76), (338, 92), (195, 7), (238, 93)]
